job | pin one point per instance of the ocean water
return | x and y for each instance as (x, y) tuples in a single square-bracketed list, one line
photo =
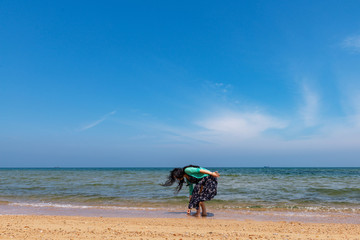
[(295, 189)]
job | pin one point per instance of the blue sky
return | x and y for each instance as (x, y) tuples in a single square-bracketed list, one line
[(164, 83)]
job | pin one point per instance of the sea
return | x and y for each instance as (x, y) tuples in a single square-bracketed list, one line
[(243, 193)]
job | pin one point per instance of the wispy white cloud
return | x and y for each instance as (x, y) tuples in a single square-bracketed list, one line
[(227, 128), (219, 89), (222, 87), (253, 130), (246, 133), (310, 108), (97, 122), (352, 43), (239, 125)]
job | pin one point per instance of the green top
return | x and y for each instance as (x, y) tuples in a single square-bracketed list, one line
[(194, 172)]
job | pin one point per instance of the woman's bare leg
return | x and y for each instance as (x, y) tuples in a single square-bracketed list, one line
[(197, 214), (203, 208)]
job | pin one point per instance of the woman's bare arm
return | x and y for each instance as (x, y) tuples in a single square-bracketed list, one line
[(214, 174)]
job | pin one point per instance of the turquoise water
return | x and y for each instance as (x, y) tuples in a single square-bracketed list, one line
[(316, 189)]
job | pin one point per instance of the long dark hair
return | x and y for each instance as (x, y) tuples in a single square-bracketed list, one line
[(175, 174)]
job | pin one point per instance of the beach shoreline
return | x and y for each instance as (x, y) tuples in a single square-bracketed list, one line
[(80, 227), (180, 212)]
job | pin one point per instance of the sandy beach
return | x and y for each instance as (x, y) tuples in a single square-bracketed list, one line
[(73, 227)]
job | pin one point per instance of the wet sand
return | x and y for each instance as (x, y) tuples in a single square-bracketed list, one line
[(76, 227), (177, 212)]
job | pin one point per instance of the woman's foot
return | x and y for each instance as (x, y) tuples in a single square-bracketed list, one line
[(197, 214), (203, 208)]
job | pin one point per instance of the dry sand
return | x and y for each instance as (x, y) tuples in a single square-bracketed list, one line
[(69, 227)]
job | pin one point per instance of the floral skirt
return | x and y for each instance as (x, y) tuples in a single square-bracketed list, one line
[(204, 190)]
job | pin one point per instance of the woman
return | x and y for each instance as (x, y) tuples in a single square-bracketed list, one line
[(205, 185)]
